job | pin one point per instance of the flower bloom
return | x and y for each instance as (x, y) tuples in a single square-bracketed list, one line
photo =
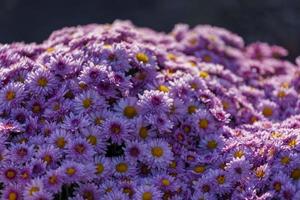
[(106, 112)]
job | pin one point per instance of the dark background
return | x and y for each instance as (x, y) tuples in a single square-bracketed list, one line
[(273, 21)]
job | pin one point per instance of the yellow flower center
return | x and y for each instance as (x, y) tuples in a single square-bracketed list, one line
[(107, 46), (36, 108), (99, 168), (192, 63), (253, 119), (116, 129), (187, 129), (285, 160), (56, 106), (165, 182), (98, 121), (142, 57), (10, 95), (42, 82), (60, 142), (276, 134), (221, 179), (192, 109), (121, 167), (193, 41), (281, 94), (171, 56), (147, 196), (157, 151), (199, 169), (70, 171), (79, 148), (277, 186), (207, 58), (86, 103), (10, 174), (130, 112), (83, 86), (163, 88), (173, 164), (143, 133), (194, 86), (52, 179), (12, 196), (226, 105), (203, 74), (295, 174), (212, 144), (292, 142), (239, 154), (33, 190), (92, 139), (25, 175), (88, 195), (203, 123), (128, 191), (47, 159), (267, 111), (260, 173)]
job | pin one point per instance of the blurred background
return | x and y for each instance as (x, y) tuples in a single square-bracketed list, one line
[(273, 21)]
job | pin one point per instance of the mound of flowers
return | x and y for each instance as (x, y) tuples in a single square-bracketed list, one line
[(117, 112)]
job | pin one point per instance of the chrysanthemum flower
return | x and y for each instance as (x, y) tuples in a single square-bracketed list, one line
[(158, 153), (74, 122), (239, 168), (134, 150), (38, 167), (142, 130), (88, 191), (12, 191), (33, 187), (116, 112), (11, 95), (102, 167), (147, 192), (60, 139), (41, 82), (128, 107), (72, 171), (9, 174), (117, 129), (49, 154), (53, 180), (123, 168), (204, 185), (221, 180), (21, 153), (88, 101), (80, 150), (154, 102), (204, 122), (94, 137), (212, 142)]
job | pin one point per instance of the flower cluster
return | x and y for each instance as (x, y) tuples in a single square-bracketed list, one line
[(117, 112)]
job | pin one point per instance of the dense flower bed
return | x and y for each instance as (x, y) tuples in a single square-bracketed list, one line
[(110, 112)]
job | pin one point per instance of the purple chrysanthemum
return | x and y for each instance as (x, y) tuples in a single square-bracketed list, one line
[(41, 82), (117, 129), (158, 153)]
